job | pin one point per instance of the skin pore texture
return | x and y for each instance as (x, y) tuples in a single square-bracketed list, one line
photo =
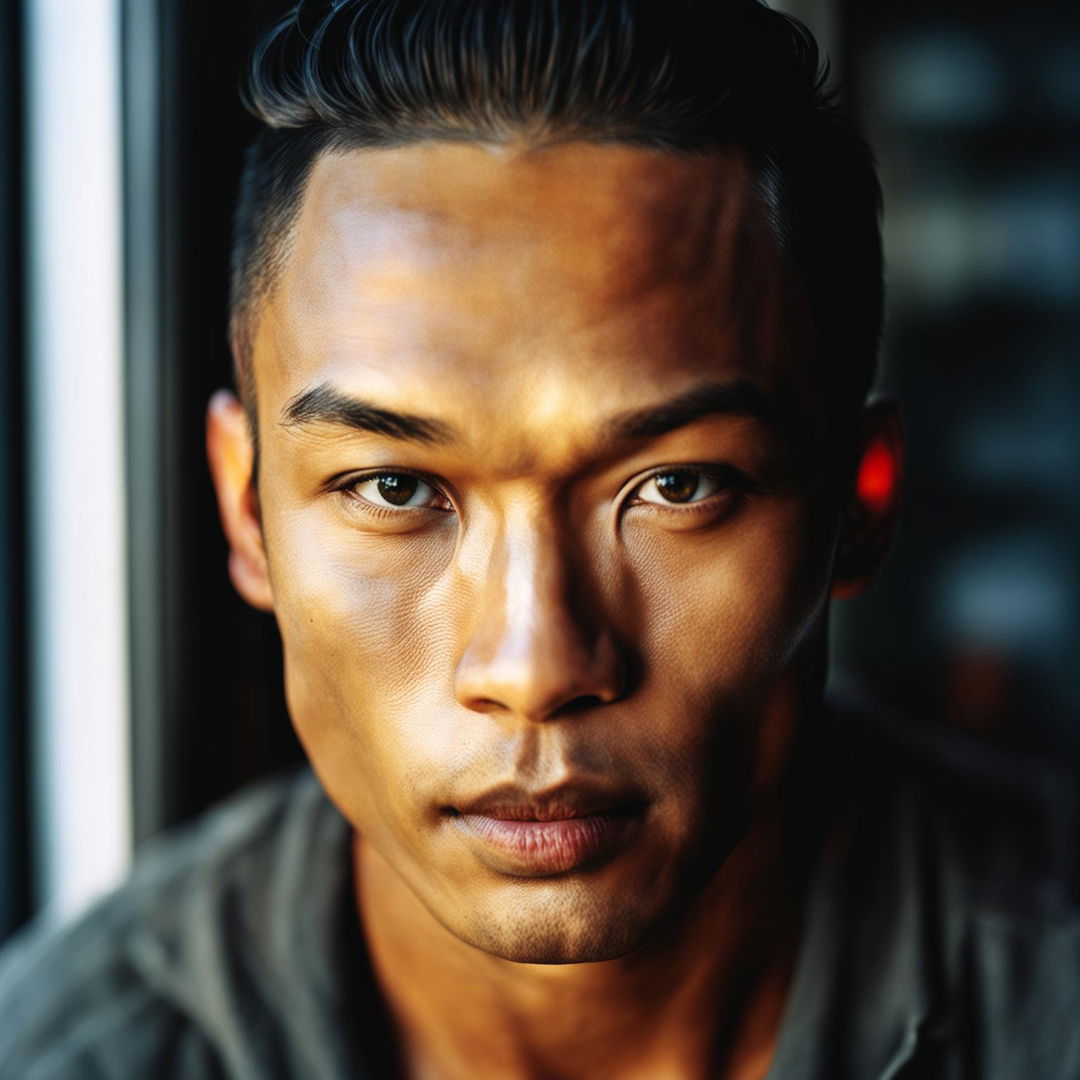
[(543, 514)]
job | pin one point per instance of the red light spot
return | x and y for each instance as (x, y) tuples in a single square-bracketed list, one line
[(876, 485)]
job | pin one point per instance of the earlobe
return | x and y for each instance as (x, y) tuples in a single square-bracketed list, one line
[(231, 455), (874, 501)]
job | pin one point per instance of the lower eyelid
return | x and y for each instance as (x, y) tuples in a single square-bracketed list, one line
[(358, 505), (688, 507)]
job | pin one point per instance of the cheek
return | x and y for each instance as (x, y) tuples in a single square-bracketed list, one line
[(361, 653), (723, 619), (726, 610)]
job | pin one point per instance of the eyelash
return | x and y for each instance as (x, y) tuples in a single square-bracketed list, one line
[(733, 481), (346, 488)]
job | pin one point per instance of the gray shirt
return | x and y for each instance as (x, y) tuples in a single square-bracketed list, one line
[(942, 938)]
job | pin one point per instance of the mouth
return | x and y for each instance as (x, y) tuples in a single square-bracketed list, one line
[(538, 835)]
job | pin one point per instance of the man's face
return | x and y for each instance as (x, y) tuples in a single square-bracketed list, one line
[(547, 526)]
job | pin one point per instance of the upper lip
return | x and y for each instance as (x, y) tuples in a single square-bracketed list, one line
[(513, 802)]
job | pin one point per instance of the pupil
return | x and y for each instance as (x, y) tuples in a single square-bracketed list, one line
[(397, 489), (677, 486)]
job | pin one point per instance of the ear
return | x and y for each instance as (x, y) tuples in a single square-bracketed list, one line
[(874, 501), (231, 452)]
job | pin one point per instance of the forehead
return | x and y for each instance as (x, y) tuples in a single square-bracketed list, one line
[(505, 267)]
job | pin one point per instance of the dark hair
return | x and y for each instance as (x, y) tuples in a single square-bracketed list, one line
[(683, 75)]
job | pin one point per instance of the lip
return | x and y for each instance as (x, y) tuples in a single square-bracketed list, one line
[(536, 835)]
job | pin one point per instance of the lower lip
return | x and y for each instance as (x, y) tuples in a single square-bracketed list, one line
[(536, 848)]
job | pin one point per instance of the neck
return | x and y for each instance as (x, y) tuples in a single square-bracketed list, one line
[(704, 999)]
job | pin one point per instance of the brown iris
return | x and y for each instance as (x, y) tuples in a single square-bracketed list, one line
[(677, 487), (397, 488)]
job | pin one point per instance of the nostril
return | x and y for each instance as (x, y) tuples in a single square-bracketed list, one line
[(485, 705), (582, 703)]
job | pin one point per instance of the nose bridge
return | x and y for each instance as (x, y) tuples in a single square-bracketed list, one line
[(535, 586), (536, 644)]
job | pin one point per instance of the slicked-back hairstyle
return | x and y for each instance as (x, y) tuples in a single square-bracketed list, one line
[(687, 76)]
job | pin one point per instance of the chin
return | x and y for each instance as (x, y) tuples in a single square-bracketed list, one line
[(571, 929)]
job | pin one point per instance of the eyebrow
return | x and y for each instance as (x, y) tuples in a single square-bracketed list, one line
[(325, 404), (736, 398)]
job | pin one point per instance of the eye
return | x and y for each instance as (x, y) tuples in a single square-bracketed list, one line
[(398, 490), (678, 487)]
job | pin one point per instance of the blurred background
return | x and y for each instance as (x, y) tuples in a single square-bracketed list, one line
[(135, 689)]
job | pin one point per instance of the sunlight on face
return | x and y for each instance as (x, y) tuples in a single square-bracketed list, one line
[(542, 498)]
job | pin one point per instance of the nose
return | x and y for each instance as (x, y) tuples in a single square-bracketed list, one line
[(536, 649)]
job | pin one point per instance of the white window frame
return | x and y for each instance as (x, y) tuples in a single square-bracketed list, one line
[(80, 733)]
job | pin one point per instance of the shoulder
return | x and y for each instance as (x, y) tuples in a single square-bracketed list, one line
[(1000, 826), (114, 993), (964, 874)]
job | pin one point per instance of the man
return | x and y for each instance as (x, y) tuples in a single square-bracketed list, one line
[(554, 324)]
